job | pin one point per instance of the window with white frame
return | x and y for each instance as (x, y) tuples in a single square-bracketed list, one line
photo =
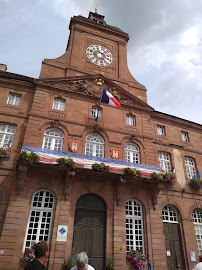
[(94, 145), (132, 153), (59, 104), (169, 214), (7, 133), (14, 99), (197, 220), (164, 161), (53, 139), (134, 226), (130, 120), (184, 136), (160, 130), (40, 218), (96, 113), (190, 167)]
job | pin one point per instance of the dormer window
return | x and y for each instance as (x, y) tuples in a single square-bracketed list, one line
[(96, 113), (59, 104), (160, 130)]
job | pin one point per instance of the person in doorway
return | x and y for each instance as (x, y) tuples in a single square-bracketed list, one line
[(198, 266), (41, 253), (82, 262)]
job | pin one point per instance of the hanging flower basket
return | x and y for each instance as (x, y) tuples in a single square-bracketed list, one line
[(136, 258), (66, 162), (26, 158), (99, 168), (132, 172), (195, 182)]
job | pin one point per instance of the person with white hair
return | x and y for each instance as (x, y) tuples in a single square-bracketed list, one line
[(82, 262), (198, 266)]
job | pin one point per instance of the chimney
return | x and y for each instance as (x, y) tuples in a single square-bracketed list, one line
[(3, 67)]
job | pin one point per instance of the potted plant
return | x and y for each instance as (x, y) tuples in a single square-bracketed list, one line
[(136, 258), (130, 172), (28, 255), (110, 264), (66, 162), (169, 177), (69, 263), (3, 153), (26, 158), (99, 168), (195, 182)]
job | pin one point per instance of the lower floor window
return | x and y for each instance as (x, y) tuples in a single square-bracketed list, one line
[(197, 220), (134, 226), (40, 218)]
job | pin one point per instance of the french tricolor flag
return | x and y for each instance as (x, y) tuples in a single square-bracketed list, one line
[(107, 98)]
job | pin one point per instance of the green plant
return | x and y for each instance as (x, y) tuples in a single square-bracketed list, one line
[(26, 158), (164, 177), (99, 168), (28, 254), (136, 258), (110, 264), (66, 162), (130, 172), (69, 263), (195, 182), (3, 153)]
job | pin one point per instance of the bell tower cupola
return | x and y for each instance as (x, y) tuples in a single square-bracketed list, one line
[(96, 17)]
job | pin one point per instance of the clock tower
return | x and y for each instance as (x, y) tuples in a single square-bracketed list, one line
[(94, 47)]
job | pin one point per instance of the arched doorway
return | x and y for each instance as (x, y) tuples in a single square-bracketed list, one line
[(89, 229), (173, 241)]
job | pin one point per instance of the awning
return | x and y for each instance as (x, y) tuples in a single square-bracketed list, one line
[(84, 161)]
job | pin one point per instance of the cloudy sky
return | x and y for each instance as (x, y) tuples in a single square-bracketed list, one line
[(164, 50)]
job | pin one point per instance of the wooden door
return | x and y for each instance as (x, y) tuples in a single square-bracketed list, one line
[(89, 231), (173, 246)]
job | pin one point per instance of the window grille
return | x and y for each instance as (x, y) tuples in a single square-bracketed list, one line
[(40, 218), (14, 99), (132, 153), (59, 104), (94, 145), (164, 161), (184, 136), (53, 139), (169, 214), (7, 133), (197, 220), (130, 120), (161, 130), (190, 167), (134, 226), (96, 113)]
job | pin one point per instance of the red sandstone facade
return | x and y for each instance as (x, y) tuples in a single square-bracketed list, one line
[(71, 78)]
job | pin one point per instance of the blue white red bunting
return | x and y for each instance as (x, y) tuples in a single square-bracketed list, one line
[(84, 161)]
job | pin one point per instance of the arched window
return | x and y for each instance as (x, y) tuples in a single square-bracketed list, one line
[(94, 145), (134, 226), (7, 133), (164, 161), (190, 167), (169, 214), (132, 153), (53, 139), (197, 220), (40, 218)]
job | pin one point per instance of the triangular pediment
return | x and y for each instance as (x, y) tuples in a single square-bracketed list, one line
[(87, 85)]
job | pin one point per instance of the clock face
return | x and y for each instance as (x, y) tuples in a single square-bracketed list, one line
[(99, 55)]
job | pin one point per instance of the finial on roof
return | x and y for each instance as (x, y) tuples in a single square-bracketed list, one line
[(96, 9)]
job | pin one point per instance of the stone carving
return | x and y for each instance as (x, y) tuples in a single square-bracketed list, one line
[(55, 123)]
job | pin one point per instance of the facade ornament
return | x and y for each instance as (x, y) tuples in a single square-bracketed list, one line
[(55, 123), (119, 189)]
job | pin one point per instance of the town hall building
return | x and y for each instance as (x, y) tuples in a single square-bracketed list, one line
[(100, 177)]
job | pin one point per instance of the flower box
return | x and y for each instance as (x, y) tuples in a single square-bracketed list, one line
[(26, 158), (99, 168)]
